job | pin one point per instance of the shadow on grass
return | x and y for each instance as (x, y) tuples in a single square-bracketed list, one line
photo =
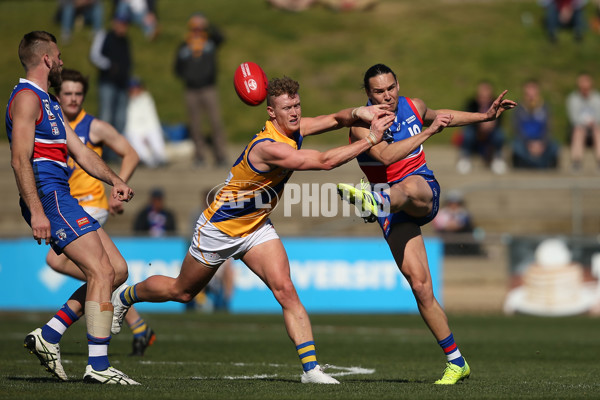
[(29, 379), (386, 381)]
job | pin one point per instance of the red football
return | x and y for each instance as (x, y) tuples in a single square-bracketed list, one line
[(250, 83)]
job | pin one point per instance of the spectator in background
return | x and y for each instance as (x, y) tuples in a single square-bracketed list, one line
[(454, 225), (486, 138), (92, 12), (533, 145), (143, 129), (196, 66), (111, 54), (142, 13), (567, 14), (155, 220), (583, 109)]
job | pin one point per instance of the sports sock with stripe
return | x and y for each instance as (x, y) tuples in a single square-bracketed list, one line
[(98, 318), (308, 355), (129, 296), (451, 350), (139, 327), (56, 327), (383, 200)]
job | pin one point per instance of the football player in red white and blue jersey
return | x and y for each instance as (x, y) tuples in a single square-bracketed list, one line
[(40, 141), (404, 194)]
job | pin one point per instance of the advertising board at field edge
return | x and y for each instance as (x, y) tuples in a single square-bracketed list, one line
[(331, 275)]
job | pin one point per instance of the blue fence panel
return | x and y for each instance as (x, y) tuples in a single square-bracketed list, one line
[(27, 283), (341, 275)]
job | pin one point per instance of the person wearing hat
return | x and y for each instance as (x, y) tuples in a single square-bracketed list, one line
[(196, 66)]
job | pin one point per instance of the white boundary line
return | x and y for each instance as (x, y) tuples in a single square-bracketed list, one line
[(339, 370)]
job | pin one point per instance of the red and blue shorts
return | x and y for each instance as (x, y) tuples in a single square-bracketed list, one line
[(386, 222), (68, 220)]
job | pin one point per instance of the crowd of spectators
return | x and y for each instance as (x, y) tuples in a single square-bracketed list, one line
[(527, 141), (530, 140), (125, 102)]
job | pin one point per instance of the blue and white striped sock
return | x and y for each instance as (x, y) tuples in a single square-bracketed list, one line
[(98, 352)]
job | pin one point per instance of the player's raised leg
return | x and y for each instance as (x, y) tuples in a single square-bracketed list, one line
[(370, 203), (193, 277)]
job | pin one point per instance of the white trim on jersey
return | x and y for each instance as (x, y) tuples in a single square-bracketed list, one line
[(62, 164), (51, 141)]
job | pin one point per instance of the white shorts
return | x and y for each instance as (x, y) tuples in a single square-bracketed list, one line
[(212, 247), (99, 214)]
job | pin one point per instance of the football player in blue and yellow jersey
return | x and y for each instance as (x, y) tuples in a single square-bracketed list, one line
[(237, 225), (410, 195)]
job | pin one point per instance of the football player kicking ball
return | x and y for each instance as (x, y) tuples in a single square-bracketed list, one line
[(237, 225), (408, 194)]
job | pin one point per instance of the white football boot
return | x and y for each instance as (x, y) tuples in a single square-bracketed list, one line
[(110, 376), (47, 353), (120, 309), (316, 375)]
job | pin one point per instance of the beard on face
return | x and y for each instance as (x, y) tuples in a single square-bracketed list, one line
[(54, 76)]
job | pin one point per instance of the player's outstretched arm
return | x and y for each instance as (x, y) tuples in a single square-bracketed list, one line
[(465, 118), (343, 118), (267, 155)]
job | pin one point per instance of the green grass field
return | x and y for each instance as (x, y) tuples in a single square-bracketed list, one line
[(219, 356)]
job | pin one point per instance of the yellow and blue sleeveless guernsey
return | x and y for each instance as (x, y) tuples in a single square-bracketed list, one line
[(249, 195), (88, 190)]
